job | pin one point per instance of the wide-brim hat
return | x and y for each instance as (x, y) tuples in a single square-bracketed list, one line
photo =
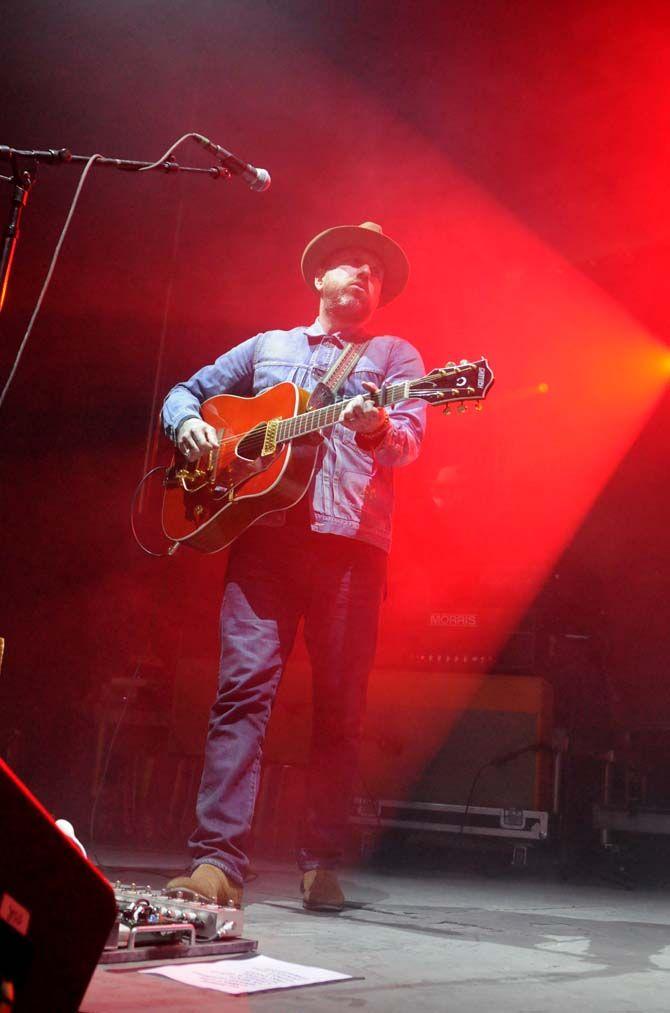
[(367, 236)]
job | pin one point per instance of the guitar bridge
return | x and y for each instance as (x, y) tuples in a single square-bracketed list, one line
[(193, 479)]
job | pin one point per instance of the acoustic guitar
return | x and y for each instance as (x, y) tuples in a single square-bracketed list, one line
[(267, 452)]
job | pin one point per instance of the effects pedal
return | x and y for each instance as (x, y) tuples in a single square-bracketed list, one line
[(157, 924)]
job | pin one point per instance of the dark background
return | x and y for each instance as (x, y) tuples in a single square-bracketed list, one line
[(520, 153)]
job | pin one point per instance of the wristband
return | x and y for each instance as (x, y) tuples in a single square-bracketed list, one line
[(368, 441)]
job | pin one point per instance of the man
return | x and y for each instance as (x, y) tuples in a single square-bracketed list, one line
[(324, 560)]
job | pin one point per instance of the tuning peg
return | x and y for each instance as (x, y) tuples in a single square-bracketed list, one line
[(462, 408), (447, 410), (463, 362), (478, 406)]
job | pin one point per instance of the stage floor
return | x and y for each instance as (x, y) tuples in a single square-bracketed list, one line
[(452, 938)]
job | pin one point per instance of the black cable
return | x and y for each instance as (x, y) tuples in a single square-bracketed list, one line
[(471, 793), (498, 761)]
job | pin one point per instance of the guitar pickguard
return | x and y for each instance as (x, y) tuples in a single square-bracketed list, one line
[(235, 473)]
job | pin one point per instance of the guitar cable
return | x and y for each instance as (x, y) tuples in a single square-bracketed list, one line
[(138, 488)]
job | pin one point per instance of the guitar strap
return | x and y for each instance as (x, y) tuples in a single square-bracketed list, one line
[(326, 389)]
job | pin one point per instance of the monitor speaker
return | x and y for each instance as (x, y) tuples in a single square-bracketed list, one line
[(56, 909)]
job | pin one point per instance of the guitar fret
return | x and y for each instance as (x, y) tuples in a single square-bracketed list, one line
[(322, 418)]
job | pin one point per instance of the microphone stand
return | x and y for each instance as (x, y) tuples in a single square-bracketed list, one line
[(21, 181), (23, 178)]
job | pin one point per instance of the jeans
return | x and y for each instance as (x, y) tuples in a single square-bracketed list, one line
[(275, 577)]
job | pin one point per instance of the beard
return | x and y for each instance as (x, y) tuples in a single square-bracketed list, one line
[(349, 304)]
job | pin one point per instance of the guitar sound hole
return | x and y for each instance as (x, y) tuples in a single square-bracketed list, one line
[(250, 447)]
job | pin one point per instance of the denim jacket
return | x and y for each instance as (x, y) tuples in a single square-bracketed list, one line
[(352, 490)]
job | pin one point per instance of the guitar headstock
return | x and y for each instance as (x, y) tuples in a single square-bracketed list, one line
[(459, 382)]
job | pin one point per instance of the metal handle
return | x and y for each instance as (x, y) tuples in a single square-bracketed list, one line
[(172, 930)]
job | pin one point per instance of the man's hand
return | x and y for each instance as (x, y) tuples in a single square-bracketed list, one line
[(362, 416), (196, 437)]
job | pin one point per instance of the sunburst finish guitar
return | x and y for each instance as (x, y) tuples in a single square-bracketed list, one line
[(265, 460)]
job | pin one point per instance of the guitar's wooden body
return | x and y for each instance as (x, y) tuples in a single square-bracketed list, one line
[(267, 452), (231, 492)]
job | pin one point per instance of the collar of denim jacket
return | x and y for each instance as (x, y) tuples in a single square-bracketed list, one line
[(315, 330)]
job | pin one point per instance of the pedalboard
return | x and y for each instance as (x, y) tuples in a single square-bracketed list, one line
[(165, 924)]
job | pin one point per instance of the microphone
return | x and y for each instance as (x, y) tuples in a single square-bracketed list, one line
[(256, 179)]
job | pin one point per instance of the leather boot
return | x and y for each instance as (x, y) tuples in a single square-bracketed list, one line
[(210, 883), (321, 891)]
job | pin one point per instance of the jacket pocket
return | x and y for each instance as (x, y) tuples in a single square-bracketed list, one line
[(363, 498), (268, 372)]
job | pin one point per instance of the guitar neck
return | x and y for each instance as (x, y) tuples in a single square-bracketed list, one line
[(322, 418)]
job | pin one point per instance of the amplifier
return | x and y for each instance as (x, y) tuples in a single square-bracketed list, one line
[(445, 738), (427, 734), (466, 654), (459, 640)]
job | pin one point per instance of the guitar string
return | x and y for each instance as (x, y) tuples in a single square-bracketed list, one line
[(258, 433), (239, 437), (312, 414), (387, 396)]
